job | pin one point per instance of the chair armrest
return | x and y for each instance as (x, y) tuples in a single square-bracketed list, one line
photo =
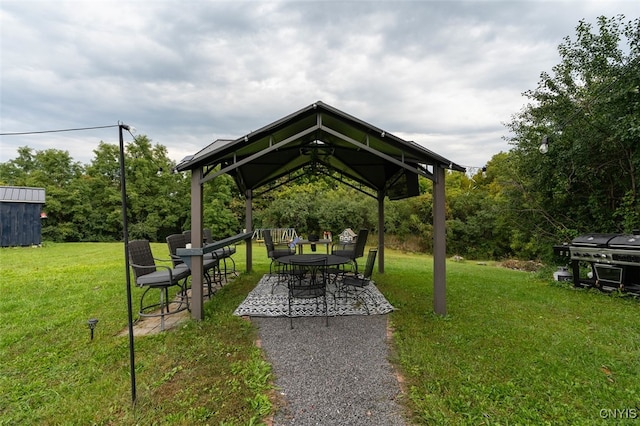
[(152, 267), (343, 246)]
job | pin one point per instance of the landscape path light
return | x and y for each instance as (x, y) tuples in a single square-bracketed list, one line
[(92, 325)]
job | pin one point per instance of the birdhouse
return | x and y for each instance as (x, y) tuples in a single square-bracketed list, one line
[(348, 236)]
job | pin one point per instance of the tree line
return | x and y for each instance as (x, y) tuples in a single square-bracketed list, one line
[(587, 111)]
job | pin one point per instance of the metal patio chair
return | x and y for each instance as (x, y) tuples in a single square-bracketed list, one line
[(273, 253), (222, 254), (308, 280), (352, 251), (210, 266), (159, 277), (354, 285)]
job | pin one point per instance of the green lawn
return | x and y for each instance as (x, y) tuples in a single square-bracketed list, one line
[(515, 348)]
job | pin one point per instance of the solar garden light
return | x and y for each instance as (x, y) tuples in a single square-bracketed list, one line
[(92, 325)]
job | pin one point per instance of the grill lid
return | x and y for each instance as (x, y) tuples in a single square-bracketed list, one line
[(593, 240), (631, 241)]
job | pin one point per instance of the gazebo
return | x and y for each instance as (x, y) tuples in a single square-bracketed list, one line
[(321, 139)]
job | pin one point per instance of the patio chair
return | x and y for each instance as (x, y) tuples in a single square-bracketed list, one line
[(273, 253), (210, 266), (356, 285), (308, 281), (148, 274), (223, 253), (352, 251)]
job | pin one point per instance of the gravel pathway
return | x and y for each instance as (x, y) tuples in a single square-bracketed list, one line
[(336, 375)]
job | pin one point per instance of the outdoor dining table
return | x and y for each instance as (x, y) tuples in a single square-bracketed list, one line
[(332, 264), (332, 259)]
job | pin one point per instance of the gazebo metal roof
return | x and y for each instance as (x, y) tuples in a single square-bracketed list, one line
[(322, 139)]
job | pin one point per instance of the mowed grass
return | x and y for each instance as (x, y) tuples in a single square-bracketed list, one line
[(52, 373), (515, 348)]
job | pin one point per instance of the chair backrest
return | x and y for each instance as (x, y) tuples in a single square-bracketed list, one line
[(174, 242), (140, 254), (189, 239), (268, 242), (371, 259), (361, 241), (207, 236)]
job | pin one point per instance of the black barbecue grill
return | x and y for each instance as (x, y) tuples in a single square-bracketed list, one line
[(605, 261)]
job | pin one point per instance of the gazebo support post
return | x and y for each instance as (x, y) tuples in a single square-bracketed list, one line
[(197, 311), (439, 243), (249, 226), (381, 232)]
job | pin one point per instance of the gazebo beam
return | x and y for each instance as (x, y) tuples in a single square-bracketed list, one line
[(390, 159), (237, 163)]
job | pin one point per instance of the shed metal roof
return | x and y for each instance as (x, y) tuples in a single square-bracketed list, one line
[(21, 194), (324, 139)]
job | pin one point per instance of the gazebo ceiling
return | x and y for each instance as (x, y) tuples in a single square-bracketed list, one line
[(323, 139)]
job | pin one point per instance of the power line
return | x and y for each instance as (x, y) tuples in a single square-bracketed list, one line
[(58, 131)]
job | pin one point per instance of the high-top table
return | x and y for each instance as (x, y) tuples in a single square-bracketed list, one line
[(300, 243), (186, 253)]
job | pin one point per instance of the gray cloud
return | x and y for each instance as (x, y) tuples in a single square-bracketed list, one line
[(445, 74)]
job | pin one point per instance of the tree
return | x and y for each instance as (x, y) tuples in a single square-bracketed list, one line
[(56, 172), (102, 177), (589, 109), (16, 172), (313, 204), (220, 213), (158, 200)]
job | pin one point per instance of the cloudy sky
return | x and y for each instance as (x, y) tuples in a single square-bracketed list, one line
[(445, 74)]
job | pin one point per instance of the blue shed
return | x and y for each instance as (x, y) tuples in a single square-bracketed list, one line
[(20, 209)]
